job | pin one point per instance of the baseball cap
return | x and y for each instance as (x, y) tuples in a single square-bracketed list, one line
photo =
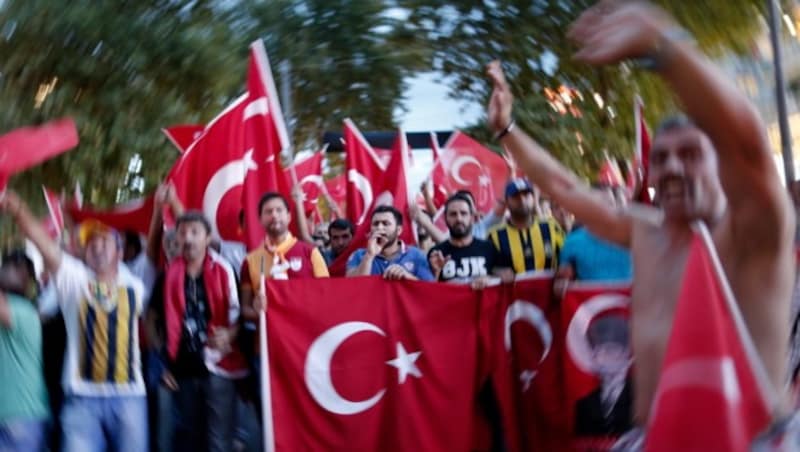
[(92, 227), (517, 186)]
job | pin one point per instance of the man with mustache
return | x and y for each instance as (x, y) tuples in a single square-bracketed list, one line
[(385, 253), (201, 309), (714, 167), (281, 256)]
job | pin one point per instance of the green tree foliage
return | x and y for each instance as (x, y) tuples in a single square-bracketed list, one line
[(530, 38), (125, 69)]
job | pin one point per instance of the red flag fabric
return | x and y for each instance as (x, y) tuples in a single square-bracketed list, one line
[(131, 216), (527, 375), (309, 176), (713, 392), (642, 151), (471, 166), (372, 365), (365, 170), (337, 189), (392, 189), (236, 159), (597, 384), (184, 135), (438, 177), (23, 148), (55, 225), (209, 175), (267, 137)]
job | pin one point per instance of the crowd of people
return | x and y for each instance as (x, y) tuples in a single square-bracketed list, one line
[(159, 338)]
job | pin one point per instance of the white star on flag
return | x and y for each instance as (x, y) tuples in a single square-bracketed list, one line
[(405, 363), (484, 180)]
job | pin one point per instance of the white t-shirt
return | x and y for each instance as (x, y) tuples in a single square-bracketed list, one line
[(102, 331)]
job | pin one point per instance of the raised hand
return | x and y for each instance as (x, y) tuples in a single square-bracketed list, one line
[(614, 31), (499, 109)]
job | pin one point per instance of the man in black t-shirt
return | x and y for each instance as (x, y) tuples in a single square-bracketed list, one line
[(463, 258)]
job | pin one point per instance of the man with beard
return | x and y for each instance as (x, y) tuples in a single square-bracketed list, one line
[(526, 243), (385, 254), (462, 258), (201, 308), (105, 406), (340, 233), (281, 256), (714, 169)]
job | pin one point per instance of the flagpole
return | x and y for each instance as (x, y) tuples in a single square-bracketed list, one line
[(780, 93), (266, 390)]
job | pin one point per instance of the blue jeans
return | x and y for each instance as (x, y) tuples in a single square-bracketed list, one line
[(116, 423), (23, 435)]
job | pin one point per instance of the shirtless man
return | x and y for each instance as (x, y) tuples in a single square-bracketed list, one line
[(715, 167)]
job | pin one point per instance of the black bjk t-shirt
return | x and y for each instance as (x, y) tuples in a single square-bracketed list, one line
[(478, 258)]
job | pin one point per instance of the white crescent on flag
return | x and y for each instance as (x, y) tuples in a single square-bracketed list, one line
[(458, 162), (364, 187), (318, 369), (231, 175)]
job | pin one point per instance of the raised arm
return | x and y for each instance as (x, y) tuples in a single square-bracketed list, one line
[(552, 178), (31, 228), (614, 32)]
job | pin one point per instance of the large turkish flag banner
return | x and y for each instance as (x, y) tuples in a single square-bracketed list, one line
[(598, 390), (365, 364)]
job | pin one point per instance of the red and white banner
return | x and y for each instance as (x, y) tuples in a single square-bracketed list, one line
[(471, 166), (438, 177), (596, 362), (372, 365), (237, 158), (365, 170), (266, 135), (309, 176), (713, 392)]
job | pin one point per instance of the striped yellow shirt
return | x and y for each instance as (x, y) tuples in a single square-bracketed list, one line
[(529, 249)]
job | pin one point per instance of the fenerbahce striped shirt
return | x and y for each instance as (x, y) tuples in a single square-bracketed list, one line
[(102, 331), (530, 249)]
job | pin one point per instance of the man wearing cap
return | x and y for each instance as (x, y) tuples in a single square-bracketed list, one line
[(105, 406), (526, 243)]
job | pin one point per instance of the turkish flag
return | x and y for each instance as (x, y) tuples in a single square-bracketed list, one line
[(130, 216), (337, 189), (713, 392), (597, 358), (471, 166), (525, 341), (309, 175), (365, 169), (266, 136), (236, 159), (374, 365), (392, 190), (182, 136), (641, 164), (23, 148), (438, 176)]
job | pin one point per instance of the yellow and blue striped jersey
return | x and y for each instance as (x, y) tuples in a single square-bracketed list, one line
[(529, 249)]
